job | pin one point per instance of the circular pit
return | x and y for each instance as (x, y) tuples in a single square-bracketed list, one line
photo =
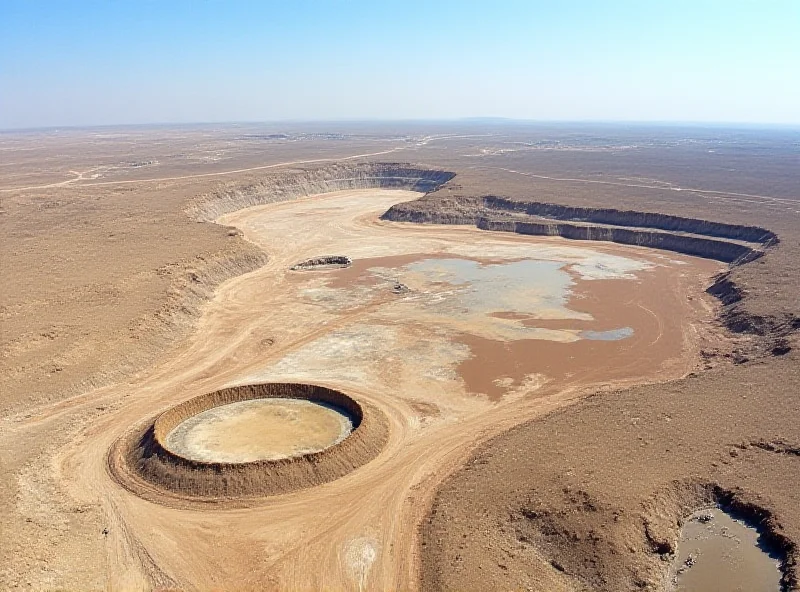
[(260, 429), (250, 440)]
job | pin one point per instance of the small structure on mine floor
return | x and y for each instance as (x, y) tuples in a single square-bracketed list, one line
[(399, 288), (323, 262)]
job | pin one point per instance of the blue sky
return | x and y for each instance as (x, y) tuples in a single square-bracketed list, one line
[(148, 61)]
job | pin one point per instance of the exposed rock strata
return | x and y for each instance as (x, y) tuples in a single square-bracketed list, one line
[(614, 217), (720, 250), (143, 463), (632, 228), (774, 330), (301, 183)]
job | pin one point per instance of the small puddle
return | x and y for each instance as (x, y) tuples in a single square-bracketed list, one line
[(612, 335), (720, 553)]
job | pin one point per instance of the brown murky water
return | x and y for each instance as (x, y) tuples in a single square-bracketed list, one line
[(260, 429), (372, 271), (717, 553), (612, 305), (527, 321)]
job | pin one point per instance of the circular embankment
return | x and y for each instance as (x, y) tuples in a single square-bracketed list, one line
[(155, 460)]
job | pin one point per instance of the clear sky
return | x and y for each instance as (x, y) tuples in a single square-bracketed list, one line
[(146, 61)]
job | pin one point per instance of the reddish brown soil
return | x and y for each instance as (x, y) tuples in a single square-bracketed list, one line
[(110, 273), (612, 304)]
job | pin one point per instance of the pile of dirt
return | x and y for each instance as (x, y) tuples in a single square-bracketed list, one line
[(323, 262)]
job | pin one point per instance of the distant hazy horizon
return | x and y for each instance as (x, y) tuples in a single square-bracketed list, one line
[(94, 64), (457, 123)]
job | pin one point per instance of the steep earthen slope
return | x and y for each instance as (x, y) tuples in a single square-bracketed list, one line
[(335, 177), (731, 243)]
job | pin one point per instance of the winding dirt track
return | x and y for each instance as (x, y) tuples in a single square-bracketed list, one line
[(360, 531), (706, 193), (79, 175)]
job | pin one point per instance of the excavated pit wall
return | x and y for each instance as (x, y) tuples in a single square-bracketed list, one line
[(301, 183), (689, 245), (654, 235), (143, 463), (666, 511), (713, 239), (754, 234)]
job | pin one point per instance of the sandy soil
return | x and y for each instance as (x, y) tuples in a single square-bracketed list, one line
[(102, 262), (257, 430), (273, 324)]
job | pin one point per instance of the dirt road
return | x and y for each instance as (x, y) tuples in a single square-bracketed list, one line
[(401, 353)]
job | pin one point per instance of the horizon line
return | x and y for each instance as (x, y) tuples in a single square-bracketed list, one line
[(410, 120)]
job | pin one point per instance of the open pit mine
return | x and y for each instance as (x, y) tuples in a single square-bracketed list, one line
[(498, 321), (318, 427)]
